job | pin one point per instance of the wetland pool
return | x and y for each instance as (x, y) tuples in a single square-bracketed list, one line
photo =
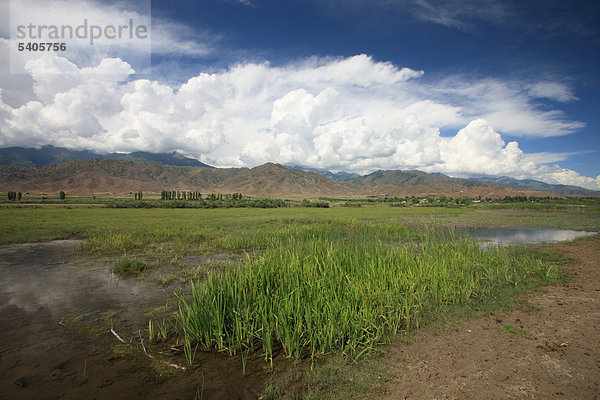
[(489, 236), (57, 306)]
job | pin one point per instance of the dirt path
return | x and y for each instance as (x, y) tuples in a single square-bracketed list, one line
[(473, 360)]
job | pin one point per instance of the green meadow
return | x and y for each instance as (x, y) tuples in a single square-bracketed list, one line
[(160, 231), (313, 281)]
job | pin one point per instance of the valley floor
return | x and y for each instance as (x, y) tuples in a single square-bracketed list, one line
[(545, 347)]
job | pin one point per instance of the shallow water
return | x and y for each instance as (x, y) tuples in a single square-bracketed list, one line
[(56, 309), (508, 236), (53, 276)]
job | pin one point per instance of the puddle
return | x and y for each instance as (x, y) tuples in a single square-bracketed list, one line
[(54, 277), (56, 306), (508, 236)]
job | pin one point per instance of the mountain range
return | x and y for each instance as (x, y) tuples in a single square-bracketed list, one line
[(49, 155), (121, 176), (531, 184), (51, 169), (424, 179)]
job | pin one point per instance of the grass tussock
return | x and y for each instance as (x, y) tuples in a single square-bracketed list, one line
[(337, 290), (513, 331), (130, 266)]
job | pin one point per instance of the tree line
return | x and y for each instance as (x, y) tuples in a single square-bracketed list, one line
[(190, 195), (12, 196)]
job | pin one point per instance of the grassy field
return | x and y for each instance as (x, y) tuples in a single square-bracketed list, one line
[(192, 231), (317, 282)]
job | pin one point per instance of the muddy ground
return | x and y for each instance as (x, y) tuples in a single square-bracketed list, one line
[(554, 354)]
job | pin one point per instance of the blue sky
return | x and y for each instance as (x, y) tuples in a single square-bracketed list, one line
[(520, 40), (460, 87)]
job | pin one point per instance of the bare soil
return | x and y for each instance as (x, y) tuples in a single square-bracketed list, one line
[(555, 353)]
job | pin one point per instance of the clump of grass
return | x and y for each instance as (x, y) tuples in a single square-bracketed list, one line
[(163, 330), (130, 266), (197, 273), (513, 331), (338, 380), (331, 289), (273, 392), (166, 279), (190, 355)]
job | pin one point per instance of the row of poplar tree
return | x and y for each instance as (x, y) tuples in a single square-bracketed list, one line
[(185, 195), (13, 196)]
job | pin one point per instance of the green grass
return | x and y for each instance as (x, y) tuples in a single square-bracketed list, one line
[(345, 288), (337, 281), (513, 331), (168, 232), (338, 379), (272, 392), (130, 266)]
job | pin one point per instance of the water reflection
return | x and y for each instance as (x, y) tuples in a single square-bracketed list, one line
[(54, 277), (506, 236)]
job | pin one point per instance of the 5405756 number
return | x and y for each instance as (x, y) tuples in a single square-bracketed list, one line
[(35, 46)]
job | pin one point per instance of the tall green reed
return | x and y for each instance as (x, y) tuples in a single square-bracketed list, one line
[(343, 287)]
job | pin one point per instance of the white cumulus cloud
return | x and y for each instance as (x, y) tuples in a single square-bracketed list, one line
[(354, 114)]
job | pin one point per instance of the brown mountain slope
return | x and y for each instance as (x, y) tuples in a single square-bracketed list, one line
[(114, 176), (117, 176)]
